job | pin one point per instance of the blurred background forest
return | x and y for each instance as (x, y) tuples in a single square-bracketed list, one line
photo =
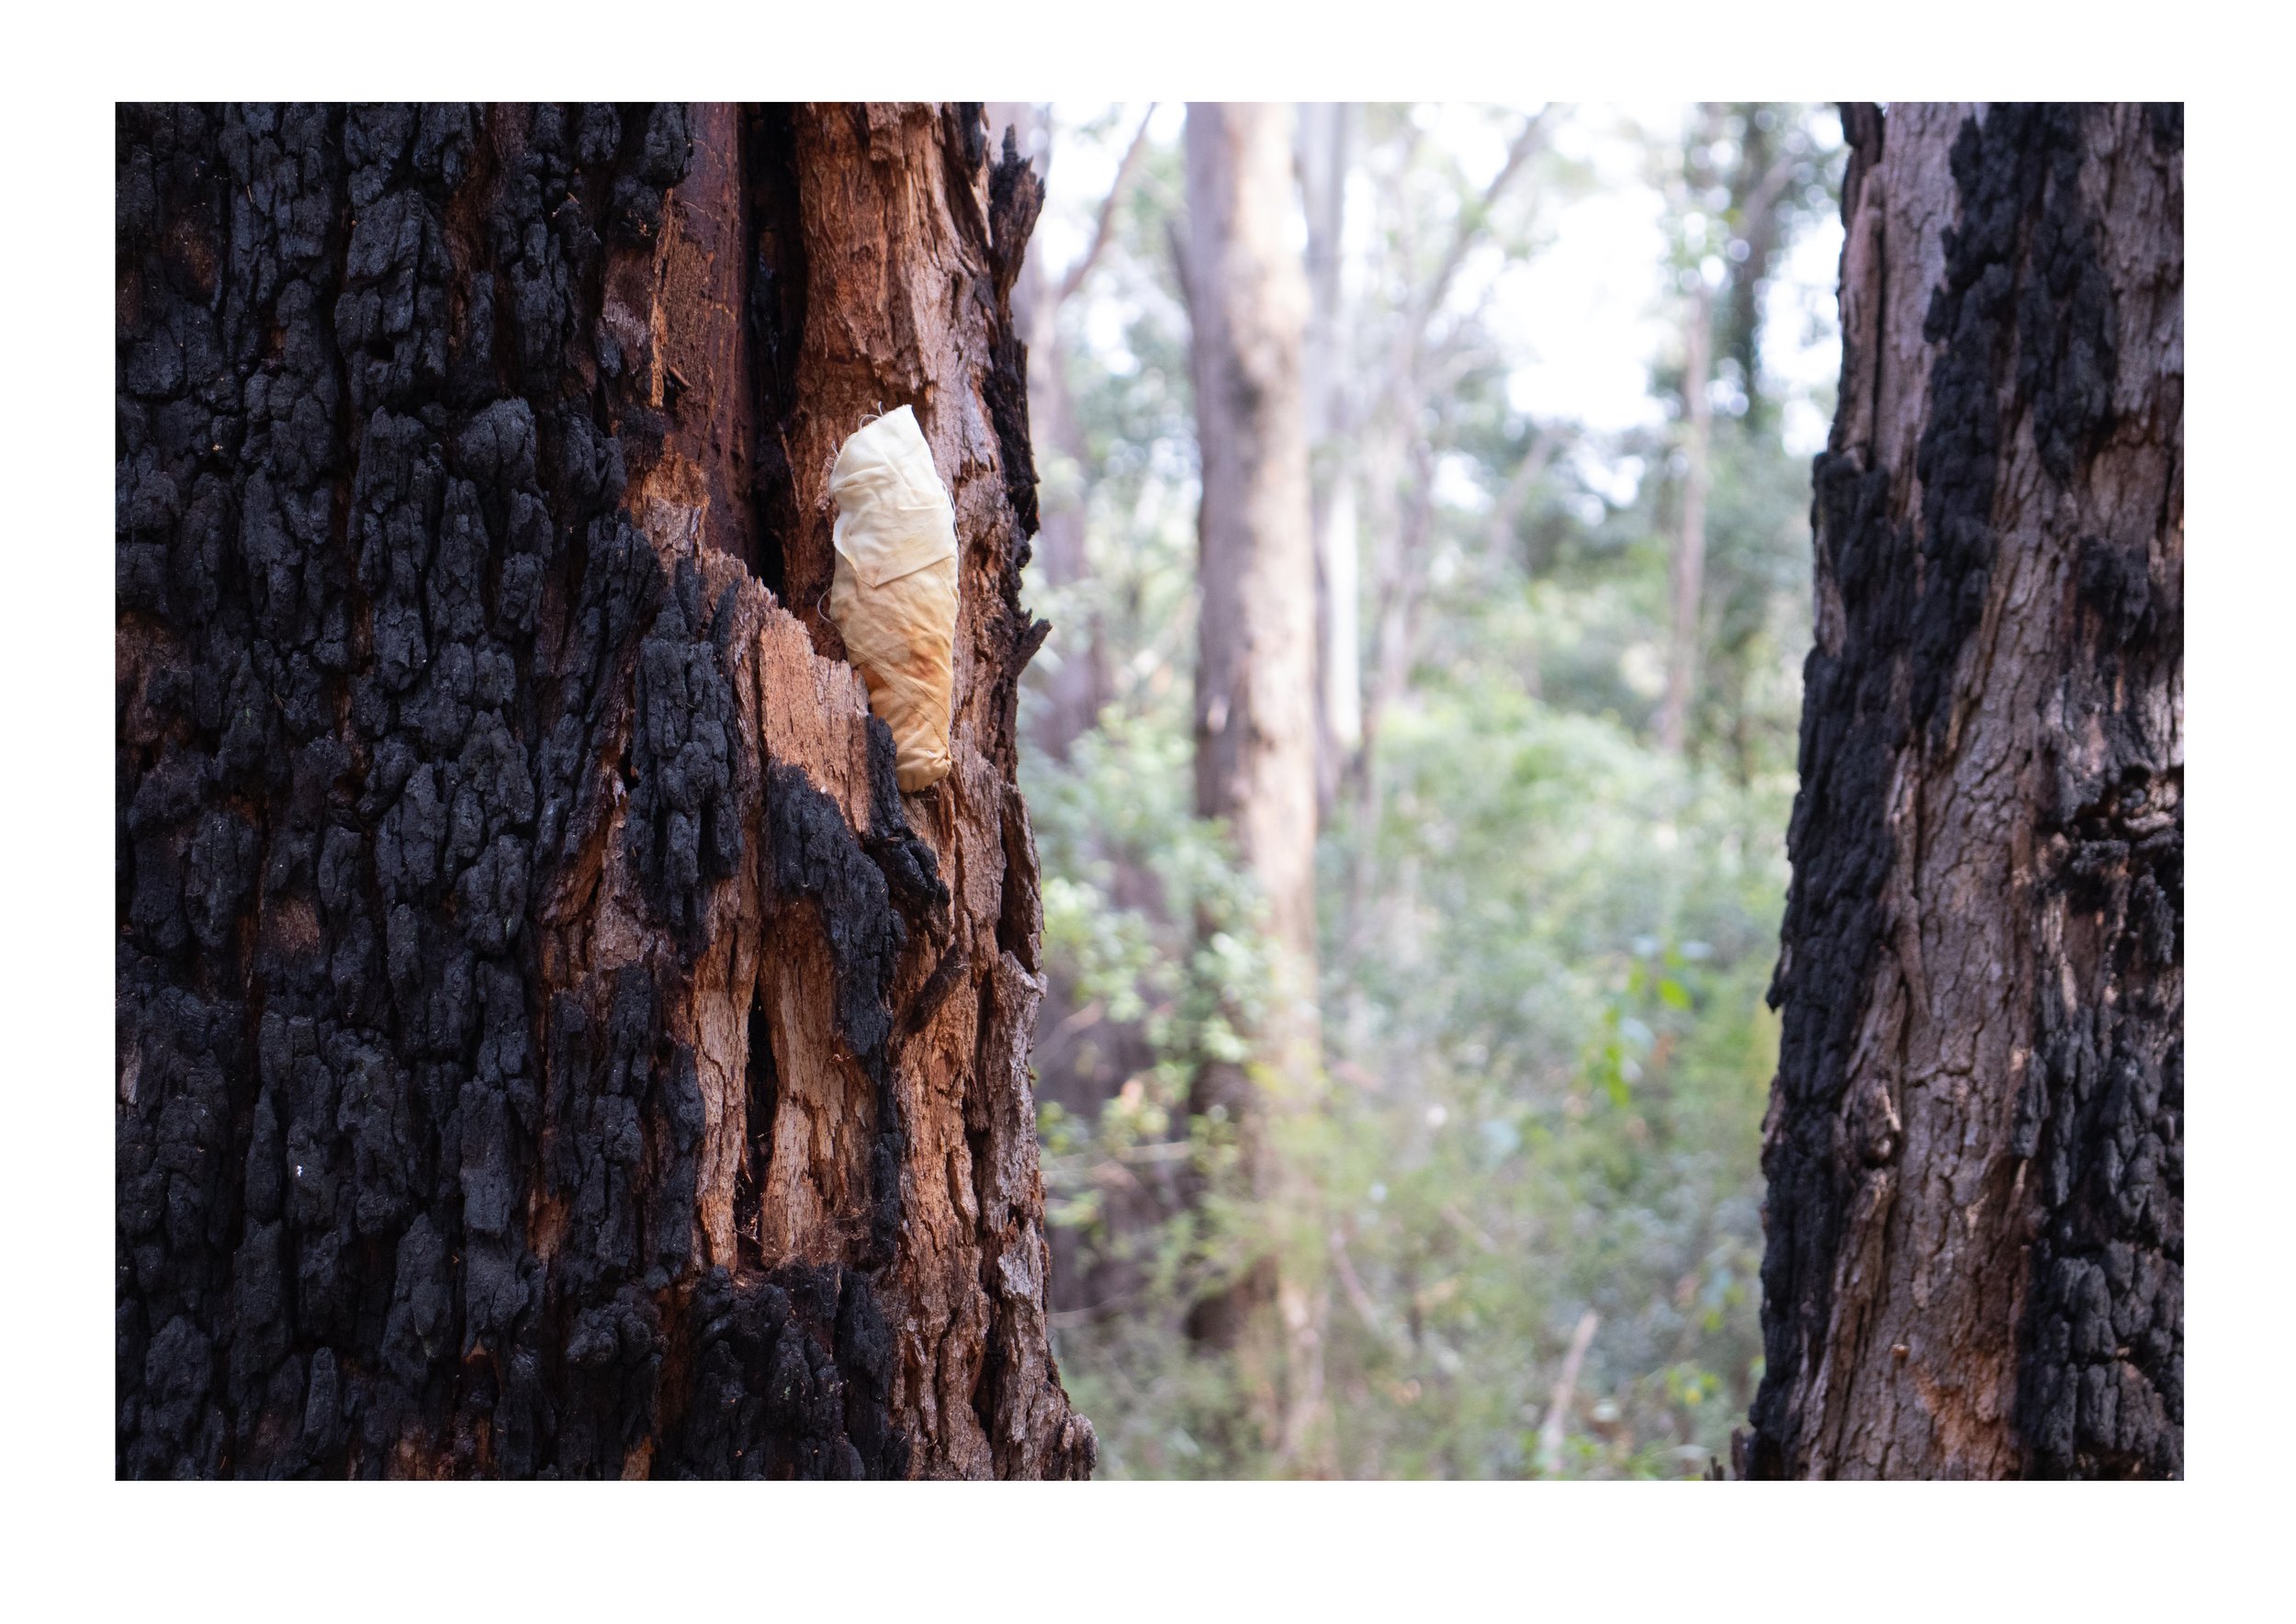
[(1562, 371)]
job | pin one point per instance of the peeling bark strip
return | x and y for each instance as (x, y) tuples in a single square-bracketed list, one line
[(1975, 1147), (549, 1043)]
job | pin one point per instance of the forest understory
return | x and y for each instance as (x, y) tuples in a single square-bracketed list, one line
[(1563, 849)]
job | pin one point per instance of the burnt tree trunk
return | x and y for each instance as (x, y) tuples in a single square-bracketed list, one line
[(548, 1041), (1975, 1147)]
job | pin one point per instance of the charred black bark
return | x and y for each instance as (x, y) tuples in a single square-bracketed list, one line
[(685, 817), (1843, 853), (364, 526), (816, 859), (776, 317), (1016, 197), (394, 1193), (794, 1380), (2024, 325), (2101, 1376)]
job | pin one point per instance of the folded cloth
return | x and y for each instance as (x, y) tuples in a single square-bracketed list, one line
[(893, 597)]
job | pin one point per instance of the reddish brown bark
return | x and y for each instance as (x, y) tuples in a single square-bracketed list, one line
[(597, 1067), (1975, 1144)]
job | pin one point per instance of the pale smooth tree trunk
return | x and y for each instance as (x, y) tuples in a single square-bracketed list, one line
[(1974, 1146), (1326, 132), (1256, 660), (1686, 573), (549, 1044)]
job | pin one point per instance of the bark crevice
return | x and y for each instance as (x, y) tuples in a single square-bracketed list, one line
[(517, 911), (1973, 1149)]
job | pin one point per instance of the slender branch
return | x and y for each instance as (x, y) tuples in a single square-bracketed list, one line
[(1550, 1430), (1073, 277), (1411, 335), (1470, 224), (1175, 242), (1366, 1310), (1768, 189), (1509, 507), (1468, 1227)]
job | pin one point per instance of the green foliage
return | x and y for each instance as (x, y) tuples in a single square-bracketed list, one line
[(1560, 1054), (1545, 941)]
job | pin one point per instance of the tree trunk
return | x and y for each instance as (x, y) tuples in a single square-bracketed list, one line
[(548, 1041), (1255, 653), (1974, 1146), (1687, 573), (1758, 184), (1325, 138)]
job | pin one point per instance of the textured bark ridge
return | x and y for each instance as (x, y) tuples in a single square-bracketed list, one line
[(1974, 1145), (549, 1043)]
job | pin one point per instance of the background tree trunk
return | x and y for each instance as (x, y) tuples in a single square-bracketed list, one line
[(1758, 184), (1686, 572), (1255, 657), (1326, 142), (1255, 684), (1974, 1145), (1077, 685), (549, 1043)]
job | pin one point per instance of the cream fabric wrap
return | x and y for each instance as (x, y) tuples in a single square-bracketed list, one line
[(894, 594)]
